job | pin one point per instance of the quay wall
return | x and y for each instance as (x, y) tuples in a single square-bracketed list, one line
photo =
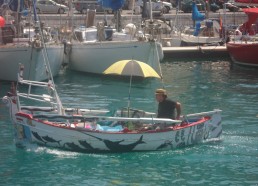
[(234, 18)]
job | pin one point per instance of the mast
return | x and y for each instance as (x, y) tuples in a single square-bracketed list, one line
[(15, 6), (151, 16), (70, 13), (207, 9), (18, 17), (144, 10)]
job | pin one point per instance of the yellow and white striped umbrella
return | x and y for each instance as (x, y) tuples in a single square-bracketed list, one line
[(131, 68)]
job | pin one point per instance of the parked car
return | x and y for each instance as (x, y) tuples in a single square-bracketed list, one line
[(214, 7), (220, 3), (228, 4), (157, 5), (186, 6), (64, 2), (231, 7), (82, 6), (50, 6)]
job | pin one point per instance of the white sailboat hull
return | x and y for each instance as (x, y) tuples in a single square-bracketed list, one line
[(97, 57), (32, 59), (201, 40)]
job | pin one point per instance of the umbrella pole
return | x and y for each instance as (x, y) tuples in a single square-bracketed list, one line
[(129, 96)]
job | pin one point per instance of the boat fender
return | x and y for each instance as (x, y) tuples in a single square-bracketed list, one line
[(238, 32), (140, 36), (130, 29), (37, 44)]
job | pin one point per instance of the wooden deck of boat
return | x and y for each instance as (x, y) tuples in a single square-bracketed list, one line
[(195, 51)]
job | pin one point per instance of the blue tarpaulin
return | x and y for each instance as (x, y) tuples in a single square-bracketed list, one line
[(196, 15), (113, 4), (197, 28)]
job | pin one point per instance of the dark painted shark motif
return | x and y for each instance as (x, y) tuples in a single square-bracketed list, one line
[(73, 146), (86, 145), (51, 140), (115, 146), (37, 136), (165, 145)]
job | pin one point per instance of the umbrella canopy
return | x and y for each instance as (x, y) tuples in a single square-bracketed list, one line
[(131, 68)]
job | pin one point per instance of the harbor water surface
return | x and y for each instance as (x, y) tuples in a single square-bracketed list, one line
[(200, 86)]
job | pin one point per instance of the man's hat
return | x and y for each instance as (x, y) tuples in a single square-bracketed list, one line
[(161, 91)]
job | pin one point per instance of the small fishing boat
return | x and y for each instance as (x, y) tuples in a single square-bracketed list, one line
[(85, 130), (243, 45)]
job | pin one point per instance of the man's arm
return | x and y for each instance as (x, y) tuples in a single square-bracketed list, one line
[(178, 110)]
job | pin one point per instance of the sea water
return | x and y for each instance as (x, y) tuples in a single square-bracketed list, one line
[(200, 86)]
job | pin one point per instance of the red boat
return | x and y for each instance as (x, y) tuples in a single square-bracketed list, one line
[(243, 47)]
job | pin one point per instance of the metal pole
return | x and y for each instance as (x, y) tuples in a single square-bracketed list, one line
[(151, 17)]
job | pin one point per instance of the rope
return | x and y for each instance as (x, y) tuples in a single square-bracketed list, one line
[(161, 75)]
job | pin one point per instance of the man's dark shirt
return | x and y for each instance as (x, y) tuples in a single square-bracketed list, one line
[(166, 109)]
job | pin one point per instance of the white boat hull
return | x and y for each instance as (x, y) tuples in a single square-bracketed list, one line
[(32, 59), (84, 133), (85, 140), (199, 40), (97, 57)]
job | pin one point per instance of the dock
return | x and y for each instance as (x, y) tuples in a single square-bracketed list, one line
[(196, 51)]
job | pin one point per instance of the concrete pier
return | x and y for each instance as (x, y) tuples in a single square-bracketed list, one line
[(196, 51)]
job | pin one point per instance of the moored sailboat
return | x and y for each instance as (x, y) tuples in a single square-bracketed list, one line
[(24, 44), (243, 46), (205, 31), (95, 48)]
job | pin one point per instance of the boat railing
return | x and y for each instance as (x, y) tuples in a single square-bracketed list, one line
[(134, 113), (209, 113), (48, 86), (82, 111), (188, 117), (37, 108), (106, 118)]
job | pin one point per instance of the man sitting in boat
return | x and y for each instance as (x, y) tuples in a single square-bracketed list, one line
[(167, 107)]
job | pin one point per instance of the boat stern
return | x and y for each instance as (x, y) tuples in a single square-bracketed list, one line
[(216, 124)]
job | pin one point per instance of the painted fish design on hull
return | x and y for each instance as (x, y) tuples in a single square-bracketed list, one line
[(86, 145), (115, 146), (51, 140), (73, 146), (38, 137)]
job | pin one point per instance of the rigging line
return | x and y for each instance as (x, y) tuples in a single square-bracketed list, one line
[(31, 53), (157, 52), (46, 61), (44, 53)]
